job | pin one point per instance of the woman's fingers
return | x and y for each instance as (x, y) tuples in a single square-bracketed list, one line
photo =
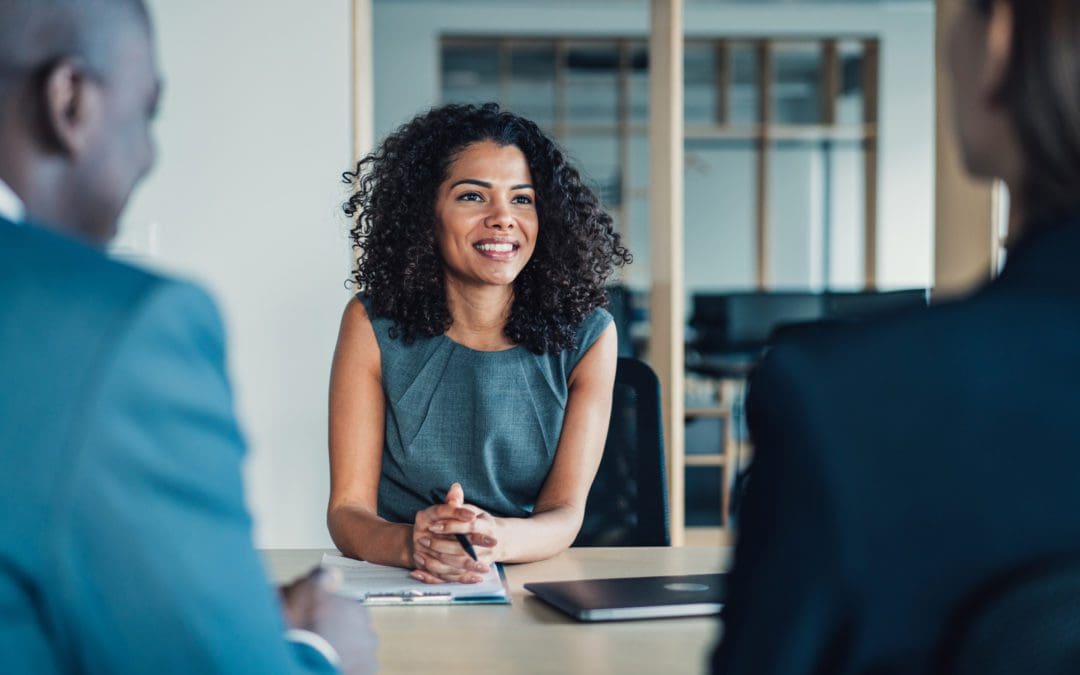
[(432, 565), (423, 576), (438, 512), (438, 555), (455, 496), (448, 542), (452, 556), (481, 539), (457, 526), (448, 512), (448, 545)]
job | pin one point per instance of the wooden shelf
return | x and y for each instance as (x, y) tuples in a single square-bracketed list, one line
[(717, 412), (712, 459), (698, 535)]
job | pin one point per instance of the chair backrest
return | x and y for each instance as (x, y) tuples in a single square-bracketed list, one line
[(749, 321), (863, 305), (627, 504), (1027, 621), (735, 322)]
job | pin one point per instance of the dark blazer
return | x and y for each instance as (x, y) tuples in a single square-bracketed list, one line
[(125, 546), (901, 464)]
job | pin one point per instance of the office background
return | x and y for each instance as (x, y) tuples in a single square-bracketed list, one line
[(256, 130)]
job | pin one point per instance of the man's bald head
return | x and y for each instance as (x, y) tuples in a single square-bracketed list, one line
[(34, 33), (78, 89)]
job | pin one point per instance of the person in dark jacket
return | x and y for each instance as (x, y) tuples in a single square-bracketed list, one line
[(901, 465)]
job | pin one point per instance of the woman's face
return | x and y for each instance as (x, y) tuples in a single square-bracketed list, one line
[(485, 213), (978, 56)]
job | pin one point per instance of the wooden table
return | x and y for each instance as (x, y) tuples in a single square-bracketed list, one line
[(528, 636)]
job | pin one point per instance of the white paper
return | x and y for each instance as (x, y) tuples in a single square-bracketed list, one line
[(364, 578)]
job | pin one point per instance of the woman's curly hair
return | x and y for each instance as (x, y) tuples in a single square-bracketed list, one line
[(400, 267)]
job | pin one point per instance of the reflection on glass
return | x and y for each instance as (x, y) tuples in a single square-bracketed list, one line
[(532, 82), (596, 155), (592, 84), (470, 73), (850, 104), (743, 96), (845, 231), (817, 218), (637, 211), (639, 83), (796, 82), (699, 76), (796, 206), (720, 214)]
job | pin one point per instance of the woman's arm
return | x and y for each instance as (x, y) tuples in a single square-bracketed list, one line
[(560, 506), (357, 428)]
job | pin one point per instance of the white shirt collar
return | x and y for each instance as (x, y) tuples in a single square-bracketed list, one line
[(11, 207)]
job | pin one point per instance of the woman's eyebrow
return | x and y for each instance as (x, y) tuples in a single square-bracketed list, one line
[(472, 181), (485, 184)]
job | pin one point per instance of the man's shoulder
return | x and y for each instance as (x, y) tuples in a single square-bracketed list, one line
[(50, 277), (85, 302), (55, 271)]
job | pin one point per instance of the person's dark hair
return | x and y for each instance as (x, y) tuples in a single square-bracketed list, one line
[(1042, 92), (399, 265)]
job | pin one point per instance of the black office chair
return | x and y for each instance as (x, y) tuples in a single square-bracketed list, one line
[(866, 305), (627, 504), (1027, 621), (741, 323), (621, 307)]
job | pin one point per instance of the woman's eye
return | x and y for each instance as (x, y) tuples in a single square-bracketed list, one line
[(470, 197), (523, 199)]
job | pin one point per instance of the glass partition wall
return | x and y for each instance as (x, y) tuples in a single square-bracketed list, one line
[(780, 174)]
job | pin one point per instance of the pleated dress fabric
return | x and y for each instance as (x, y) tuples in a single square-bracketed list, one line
[(488, 420)]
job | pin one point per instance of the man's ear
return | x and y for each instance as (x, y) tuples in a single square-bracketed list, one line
[(71, 105), (999, 50)]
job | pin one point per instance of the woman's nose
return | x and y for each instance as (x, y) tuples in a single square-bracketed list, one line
[(500, 218)]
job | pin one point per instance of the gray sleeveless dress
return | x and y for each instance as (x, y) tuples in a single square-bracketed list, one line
[(488, 420)]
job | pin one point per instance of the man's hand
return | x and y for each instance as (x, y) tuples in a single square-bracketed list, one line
[(310, 604)]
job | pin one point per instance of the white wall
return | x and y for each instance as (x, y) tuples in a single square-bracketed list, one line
[(253, 137), (407, 34)]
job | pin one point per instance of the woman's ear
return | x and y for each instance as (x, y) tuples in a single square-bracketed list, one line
[(999, 49), (71, 106)]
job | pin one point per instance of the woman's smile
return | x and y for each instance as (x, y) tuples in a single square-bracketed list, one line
[(497, 248)]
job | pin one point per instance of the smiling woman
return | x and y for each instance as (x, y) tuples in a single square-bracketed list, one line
[(477, 361), (486, 221)]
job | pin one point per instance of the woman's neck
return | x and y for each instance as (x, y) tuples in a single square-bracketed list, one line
[(479, 315)]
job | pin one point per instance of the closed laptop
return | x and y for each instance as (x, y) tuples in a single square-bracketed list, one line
[(635, 597)]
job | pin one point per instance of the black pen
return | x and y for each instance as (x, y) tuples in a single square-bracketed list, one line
[(462, 539)]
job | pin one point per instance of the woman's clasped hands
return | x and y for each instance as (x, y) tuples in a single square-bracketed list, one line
[(438, 555)]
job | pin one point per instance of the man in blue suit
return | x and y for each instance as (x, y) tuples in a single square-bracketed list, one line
[(125, 546)]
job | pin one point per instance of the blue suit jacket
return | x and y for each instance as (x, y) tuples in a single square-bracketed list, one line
[(125, 546)]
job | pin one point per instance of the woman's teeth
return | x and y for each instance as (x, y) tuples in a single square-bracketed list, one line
[(495, 248)]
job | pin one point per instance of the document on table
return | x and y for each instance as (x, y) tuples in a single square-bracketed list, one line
[(384, 585)]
